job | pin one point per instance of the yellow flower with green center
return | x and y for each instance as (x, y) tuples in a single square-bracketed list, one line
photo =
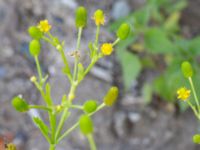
[(44, 26), (107, 48), (183, 93), (99, 17)]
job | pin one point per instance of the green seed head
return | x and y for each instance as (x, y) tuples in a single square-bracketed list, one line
[(86, 124), (90, 106), (35, 33), (81, 17), (123, 31), (20, 104), (196, 138), (34, 47), (186, 69), (111, 96)]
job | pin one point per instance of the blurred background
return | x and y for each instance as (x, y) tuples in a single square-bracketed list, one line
[(146, 68)]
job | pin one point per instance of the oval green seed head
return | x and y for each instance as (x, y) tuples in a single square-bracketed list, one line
[(90, 106), (123, 31), (34, 47), (186, 69), (111, 96), (35, 33), (196, 138), (85, 124), (20, 104), (81, 17)]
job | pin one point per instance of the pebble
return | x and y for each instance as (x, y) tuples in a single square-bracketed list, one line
[(120, 9)]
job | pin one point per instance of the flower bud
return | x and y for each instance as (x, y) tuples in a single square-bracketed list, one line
[(99, 17), (123, 31), (196, 138), (186, 69), (86, 124), (111, 96), (81, 17), (34, 47), (90, 106), (35, 32), (20, 104)]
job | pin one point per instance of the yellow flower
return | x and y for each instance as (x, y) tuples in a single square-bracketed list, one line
[(183, 93), (107, 48), (44, 26), (99, 17)]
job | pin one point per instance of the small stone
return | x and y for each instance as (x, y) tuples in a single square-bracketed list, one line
[(134, 117), (120, 9)]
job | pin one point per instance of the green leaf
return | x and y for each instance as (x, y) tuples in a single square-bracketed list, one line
[(147, 93), (41, 125), (157, 42), (194, 46), (131, 66)]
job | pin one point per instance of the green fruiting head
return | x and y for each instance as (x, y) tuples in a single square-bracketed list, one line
[(90, 106), (20, 104), (123, 31), (86, 124), (186, 69), (111, 96), (34, 47), (196, 138), (35, 32), (81, 17)]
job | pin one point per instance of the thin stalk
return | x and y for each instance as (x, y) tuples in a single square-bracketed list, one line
[(52, 120), (64, 116), (116, 41), (91, 142), (77, 124), (77, 107), (38, 69), (194, 109), (195, 94), (39, 107), (79, 38)]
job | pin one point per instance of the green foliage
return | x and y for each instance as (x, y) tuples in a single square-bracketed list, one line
[(156, 34), (157, 42)]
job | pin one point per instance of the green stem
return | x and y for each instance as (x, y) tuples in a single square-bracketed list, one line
[(194, 109), (79, 38), (52, 147), (52, 119), (38, 69), (77, 107), (91, 142), (64, 117), (39, 107), (116, 41), (77, 124), (194, 93)]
